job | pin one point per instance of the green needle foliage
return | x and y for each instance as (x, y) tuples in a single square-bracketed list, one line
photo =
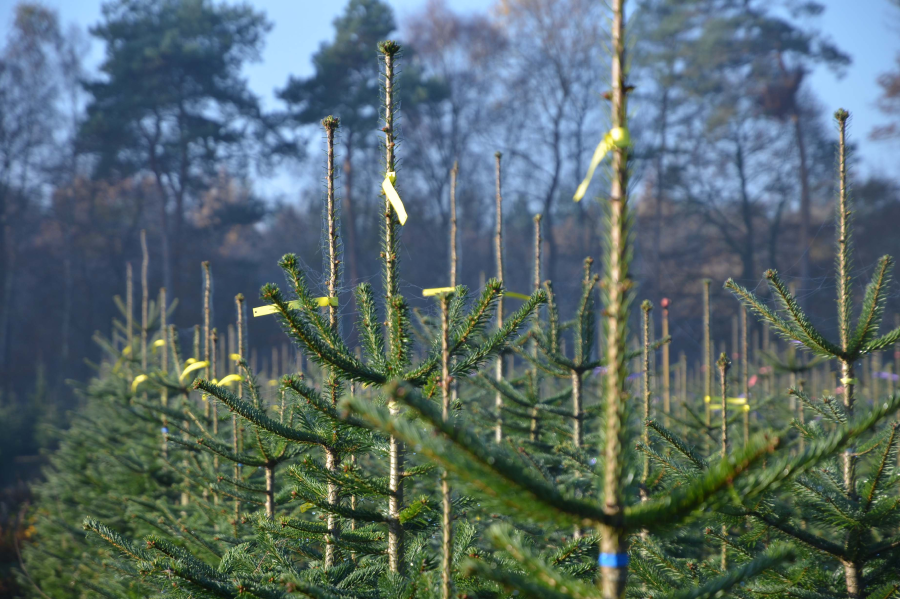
[(379, 506), (849, 518), (378, 472)]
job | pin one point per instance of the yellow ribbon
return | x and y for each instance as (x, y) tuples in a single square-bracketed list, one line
[(616, 138), (159, 343), (520, 296), (437, 291), (388, 187), (231, 378), (271, 309), (236, 357), (744, 407), (137, 381), (732, 400), (191, 368)]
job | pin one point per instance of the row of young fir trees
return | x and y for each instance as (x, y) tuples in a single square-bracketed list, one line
[(411, 468)]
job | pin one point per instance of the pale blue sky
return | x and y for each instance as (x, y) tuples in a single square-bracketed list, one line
[(868, 30)]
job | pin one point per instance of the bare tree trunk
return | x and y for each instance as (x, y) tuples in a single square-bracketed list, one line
[(613, 547), (577, 409), (499, 370), (551, 193), (666, 376), (270, 491), (164, 226), (332, 458), (349, 221), (395, 446), (6, 311), (748, 255), (805, 209), (660, 195), (707, 351), (447, 516)]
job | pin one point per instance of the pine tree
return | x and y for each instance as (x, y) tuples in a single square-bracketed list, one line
[(854, 518), (334, 557), (521, 489), (107, 463)]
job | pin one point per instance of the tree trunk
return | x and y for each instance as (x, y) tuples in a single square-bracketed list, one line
[(349, 222), (577, 409), (748, 257), (270, 491), (660, 196), (613, 547), (6, 311), (805, 208)]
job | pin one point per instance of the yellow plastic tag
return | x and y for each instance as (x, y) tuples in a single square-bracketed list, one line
[(159, 343), (137, 381), (231, 378), (388, 187), (191, 368), (744, 407), (731, 400), (437, 291), (617, 137), (321, 301), (235, 357)]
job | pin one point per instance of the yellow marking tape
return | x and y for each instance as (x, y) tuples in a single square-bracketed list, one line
[(388, 187), (520, 296), (732, 400), (137, 381), (271, 309), (191, 368), (231, 378), (437, 291), (617, 137), (744, 407)]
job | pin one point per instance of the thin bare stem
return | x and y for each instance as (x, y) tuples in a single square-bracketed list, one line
[(499, 366), (395, 447), (613, 548), (454, 172), (446, 521), (145, 299), (666, 375)]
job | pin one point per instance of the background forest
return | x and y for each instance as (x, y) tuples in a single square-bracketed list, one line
[(733, 171)]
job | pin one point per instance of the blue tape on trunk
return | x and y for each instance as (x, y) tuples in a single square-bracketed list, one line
[(613, 560)]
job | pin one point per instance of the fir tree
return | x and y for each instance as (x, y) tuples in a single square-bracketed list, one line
[(860, 512)]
